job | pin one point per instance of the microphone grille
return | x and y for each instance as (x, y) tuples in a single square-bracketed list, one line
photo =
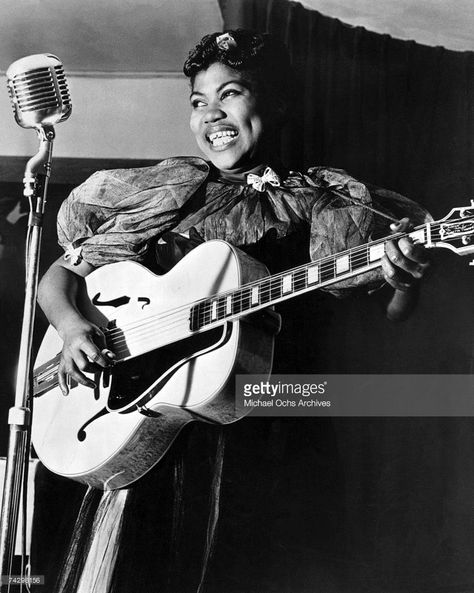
[(62, 85), (39, 95)]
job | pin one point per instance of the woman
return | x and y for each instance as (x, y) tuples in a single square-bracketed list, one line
[(241, 95)]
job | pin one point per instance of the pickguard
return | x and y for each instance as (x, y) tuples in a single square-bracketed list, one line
[(132, 380), (136, 381)]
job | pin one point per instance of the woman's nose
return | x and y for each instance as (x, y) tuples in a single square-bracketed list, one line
[(214, 114)]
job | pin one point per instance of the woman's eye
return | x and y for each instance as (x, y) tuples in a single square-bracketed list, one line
[(197, 103), (229, 93)]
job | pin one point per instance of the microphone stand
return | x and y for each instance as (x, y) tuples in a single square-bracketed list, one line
[(37, 173)]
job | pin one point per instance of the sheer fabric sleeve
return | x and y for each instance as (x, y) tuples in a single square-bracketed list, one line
[(114, 214), (339, 223)]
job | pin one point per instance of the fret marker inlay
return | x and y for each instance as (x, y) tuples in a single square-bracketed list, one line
[(254, 297), (418, 236), (376, 252), (287, 283), (342, 264), (313, 274)]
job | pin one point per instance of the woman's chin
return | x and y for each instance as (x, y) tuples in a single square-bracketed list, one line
[(228, 162), (221, 160)]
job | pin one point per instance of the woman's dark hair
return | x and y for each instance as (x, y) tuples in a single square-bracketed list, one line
[(260, 57)]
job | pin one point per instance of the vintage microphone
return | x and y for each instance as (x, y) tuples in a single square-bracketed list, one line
[(38, 90), (40, 97)]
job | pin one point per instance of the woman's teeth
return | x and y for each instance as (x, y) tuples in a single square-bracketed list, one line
[(221, 138)]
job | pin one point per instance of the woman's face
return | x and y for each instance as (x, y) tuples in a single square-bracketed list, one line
[(225, 118)]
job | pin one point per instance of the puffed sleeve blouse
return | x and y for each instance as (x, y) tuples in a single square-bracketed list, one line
[(121, 214)]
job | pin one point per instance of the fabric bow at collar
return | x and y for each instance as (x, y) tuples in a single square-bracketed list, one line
[(258, 183), (74, 254)]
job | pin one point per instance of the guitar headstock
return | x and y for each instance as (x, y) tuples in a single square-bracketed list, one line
[(455, 231)]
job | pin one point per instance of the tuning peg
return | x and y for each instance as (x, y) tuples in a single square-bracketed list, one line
[(471, 263)]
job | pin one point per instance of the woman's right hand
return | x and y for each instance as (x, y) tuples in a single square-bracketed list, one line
[(84, 350), (84, 346)]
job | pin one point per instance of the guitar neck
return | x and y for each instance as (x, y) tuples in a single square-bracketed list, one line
[(285, 285)]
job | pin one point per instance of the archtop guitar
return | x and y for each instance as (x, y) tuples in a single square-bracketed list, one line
[(179, 341)]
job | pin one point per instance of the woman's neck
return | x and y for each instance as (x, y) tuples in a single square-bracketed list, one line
[(239, 175)]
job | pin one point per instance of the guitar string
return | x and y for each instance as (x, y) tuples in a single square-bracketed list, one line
[(325, 264), (266, 285), (176, 315), (243, 299), (120, 344), (169, 321), (244, 295), (135, 330), (321, 262), (244, 290), (207, 302)]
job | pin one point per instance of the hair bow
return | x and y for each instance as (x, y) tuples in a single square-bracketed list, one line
[(258, 183), (226, 41)]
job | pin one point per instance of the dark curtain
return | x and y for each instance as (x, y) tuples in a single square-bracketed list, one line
[(397, 114), (394, 112)]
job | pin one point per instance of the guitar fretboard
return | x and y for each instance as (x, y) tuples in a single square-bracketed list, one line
[(283, 286)]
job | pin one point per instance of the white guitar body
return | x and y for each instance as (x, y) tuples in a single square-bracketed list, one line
[(107, 444)]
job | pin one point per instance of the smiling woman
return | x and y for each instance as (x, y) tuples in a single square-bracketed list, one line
[(226, 120), (159, 533), (239, 98)]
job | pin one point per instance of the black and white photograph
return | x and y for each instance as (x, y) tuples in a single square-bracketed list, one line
[(236, 296)]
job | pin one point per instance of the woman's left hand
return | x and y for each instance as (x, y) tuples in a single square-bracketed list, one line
[(404, 262)]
